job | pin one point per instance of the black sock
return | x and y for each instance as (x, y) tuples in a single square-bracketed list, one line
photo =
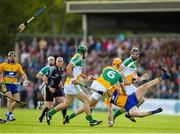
[(44, 112), (156, 111), (64, 113), (91, 110)]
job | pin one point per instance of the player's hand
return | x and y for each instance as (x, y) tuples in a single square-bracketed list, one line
[(145, 76), (52, 90), (91, 77), (75, 81), (61, 85), (26, 83)]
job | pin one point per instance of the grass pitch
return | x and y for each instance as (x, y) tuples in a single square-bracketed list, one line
[(27, 122)]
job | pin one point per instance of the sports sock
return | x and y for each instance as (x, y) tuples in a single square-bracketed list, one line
[(64, 113), (43, 112), (155, 111), (89, 118), (72, 116), (117, 113), (52, 112)]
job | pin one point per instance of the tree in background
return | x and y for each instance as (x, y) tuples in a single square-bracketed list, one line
[(54, 20)]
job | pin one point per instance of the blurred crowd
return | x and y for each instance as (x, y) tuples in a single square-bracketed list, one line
[(155, 52)]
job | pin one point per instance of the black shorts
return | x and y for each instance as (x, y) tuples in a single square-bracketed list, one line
[(58, 93)]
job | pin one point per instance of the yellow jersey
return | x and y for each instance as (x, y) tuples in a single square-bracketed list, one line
[(9, 71), (116, 96)]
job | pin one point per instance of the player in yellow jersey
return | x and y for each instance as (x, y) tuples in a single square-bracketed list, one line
[(129, 102), (109, 77), (8, 71)]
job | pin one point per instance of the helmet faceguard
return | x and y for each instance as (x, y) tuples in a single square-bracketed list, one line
[(11, 57), (135, 52), (82, 49), (116, 62)]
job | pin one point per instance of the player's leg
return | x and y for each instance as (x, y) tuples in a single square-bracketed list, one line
[(43, 112), (134, 112), (48, 96), (140, 102), (142, 90), (16, 97), (80, 110), (119, 112), (65, 105), (62, 100), (84, 98), (9, 114), (110, 115)]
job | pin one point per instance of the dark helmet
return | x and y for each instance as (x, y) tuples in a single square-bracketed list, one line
[(82, 49)]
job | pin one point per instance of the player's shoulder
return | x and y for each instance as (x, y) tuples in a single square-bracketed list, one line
[(18, 65), (107, 67), (46, 68), (3, 63), (127, 60)]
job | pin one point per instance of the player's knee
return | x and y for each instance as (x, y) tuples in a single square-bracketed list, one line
[(10, 101)]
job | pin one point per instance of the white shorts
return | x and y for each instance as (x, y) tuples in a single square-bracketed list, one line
[(99, 87), (71, 89), (42, 88), (130, 89)]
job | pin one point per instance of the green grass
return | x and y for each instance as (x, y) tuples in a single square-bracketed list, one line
[(27, 122)]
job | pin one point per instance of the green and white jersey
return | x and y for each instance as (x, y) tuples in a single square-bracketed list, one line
[(110, 77), (45, 70), (78, 63), (128, 61), (129, 72), (77, 60)]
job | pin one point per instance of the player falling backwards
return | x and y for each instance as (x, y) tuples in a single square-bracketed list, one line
[(121, 99), (72, 89), (8, 70), (130, 102)]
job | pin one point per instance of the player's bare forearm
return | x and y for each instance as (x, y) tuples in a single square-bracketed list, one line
[(83, 76), (123, 89), (24, 76), (69, 69), (136, 80), (45, 79), (39, 75)]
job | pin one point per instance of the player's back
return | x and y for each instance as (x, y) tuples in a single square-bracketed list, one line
[(109, 77)]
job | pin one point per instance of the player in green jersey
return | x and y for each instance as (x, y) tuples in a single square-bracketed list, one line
[(72, 89)]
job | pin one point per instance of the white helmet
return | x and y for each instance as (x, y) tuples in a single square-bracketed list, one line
[(50, 58)]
